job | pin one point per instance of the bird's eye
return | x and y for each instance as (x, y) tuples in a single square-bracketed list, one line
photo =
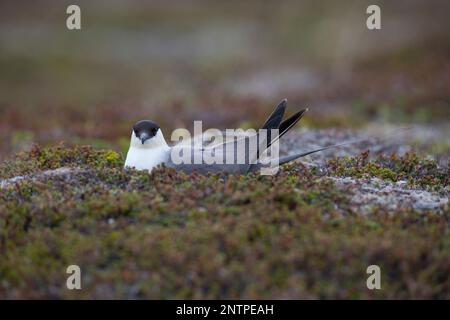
[(154, 130)]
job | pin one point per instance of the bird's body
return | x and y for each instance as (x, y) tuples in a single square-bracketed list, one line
[(148, 155), (148, 148)]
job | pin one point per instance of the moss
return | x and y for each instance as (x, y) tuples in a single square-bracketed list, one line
[(39, 159), (111, 158), (417, 172), (166, 234)]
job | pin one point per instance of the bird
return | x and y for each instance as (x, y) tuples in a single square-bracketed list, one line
[(149, 149)]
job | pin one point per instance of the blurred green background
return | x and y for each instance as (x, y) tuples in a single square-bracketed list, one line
[(226, 63)]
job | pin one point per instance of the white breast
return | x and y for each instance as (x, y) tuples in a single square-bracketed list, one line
[(146, 159)]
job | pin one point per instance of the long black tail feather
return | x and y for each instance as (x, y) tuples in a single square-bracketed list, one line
[(287, 124)]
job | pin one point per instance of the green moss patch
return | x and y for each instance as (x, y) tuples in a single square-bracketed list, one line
[(418, 172), (39, 159)]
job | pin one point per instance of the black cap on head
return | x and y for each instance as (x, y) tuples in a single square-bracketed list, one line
[(145, 129)]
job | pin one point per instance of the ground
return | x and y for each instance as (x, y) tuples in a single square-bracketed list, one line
[(308, 232)]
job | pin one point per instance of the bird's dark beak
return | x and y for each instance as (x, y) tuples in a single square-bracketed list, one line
[(144, 136)]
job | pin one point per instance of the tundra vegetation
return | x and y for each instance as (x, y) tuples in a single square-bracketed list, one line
[(171, 235)]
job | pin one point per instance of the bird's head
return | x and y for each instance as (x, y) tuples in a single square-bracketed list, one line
[(146, 134)]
